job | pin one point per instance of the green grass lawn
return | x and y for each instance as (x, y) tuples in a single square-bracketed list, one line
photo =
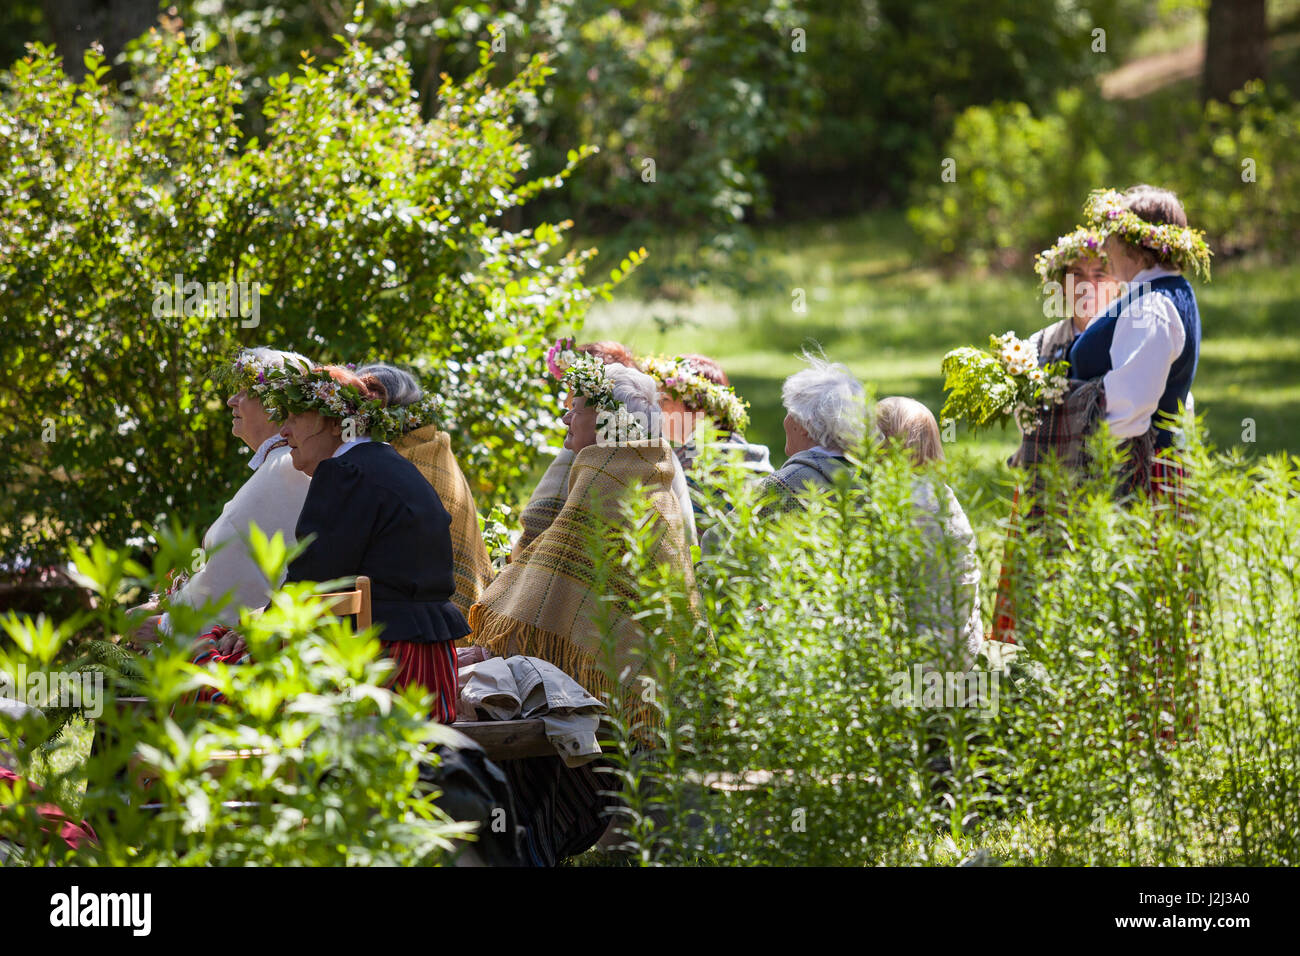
[(870, 305)]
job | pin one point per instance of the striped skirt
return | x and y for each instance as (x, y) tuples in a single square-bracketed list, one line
[(564, 810), (431, 666)]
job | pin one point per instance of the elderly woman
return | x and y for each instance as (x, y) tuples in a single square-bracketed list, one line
[(423, 444), (951, 572), (1077, 266), (825, 419), (370, 512), (694, 390), (550, 494), (271, 498), (567, 605), (1133, 368)]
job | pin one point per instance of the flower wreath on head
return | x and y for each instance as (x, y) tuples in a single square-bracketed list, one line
[(1186, 248), (1051, 264), (245, 371), (295, 389), (679, 379), (586, 375), (393, 421)]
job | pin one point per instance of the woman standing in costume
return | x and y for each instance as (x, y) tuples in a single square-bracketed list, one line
[(1146, 345), (1074, 273), (1133, 368)]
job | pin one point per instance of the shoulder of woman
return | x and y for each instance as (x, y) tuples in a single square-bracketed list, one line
[(338, 472), (279, 465)]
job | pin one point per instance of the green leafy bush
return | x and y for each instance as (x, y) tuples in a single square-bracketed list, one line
[(1242, 175), (1022, 176), (1098, 739), (367, 232), (1020, 181), (307, 759)]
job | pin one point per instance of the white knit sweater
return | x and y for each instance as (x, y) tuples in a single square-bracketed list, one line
[(271, 499)]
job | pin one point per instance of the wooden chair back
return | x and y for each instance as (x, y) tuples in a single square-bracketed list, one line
[(356, 601)]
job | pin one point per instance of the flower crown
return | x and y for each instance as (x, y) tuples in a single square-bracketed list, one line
[(1051, 264), (294, 389), (245, 371), (391, 421), (679, 379), (586, 375), (1185, 248)]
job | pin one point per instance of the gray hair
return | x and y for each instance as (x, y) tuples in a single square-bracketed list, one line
[(636, 390), (401, 385), (276, 357), (828, 402), (911, 422)]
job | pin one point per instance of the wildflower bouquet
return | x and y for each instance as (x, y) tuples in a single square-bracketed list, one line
[(1001, 383)]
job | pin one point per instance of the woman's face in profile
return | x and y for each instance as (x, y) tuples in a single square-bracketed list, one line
[(312, 438), (248, 419), (581, 419)]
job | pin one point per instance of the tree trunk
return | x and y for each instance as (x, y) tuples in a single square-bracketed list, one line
[(1236, 46), (75, 24)]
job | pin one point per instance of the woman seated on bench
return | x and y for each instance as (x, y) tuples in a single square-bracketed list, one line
[(559, 601), (370, 511), (548, 497), (424, 445), (271, 498)]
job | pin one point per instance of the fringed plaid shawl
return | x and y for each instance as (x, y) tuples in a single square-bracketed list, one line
[(430, 451), (557, 599), (547, 500)]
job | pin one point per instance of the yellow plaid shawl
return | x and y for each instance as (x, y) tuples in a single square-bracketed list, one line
[(430, 450), (545, 603), (547, 500)]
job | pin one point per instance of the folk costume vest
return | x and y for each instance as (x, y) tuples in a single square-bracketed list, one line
[(1090, 355)]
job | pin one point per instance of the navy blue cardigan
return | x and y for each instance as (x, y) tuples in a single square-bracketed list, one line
[(373, 513)]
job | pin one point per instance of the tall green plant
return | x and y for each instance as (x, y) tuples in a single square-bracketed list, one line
[(305, 758)]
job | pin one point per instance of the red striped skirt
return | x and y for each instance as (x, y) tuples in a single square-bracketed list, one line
[(431, 666)]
